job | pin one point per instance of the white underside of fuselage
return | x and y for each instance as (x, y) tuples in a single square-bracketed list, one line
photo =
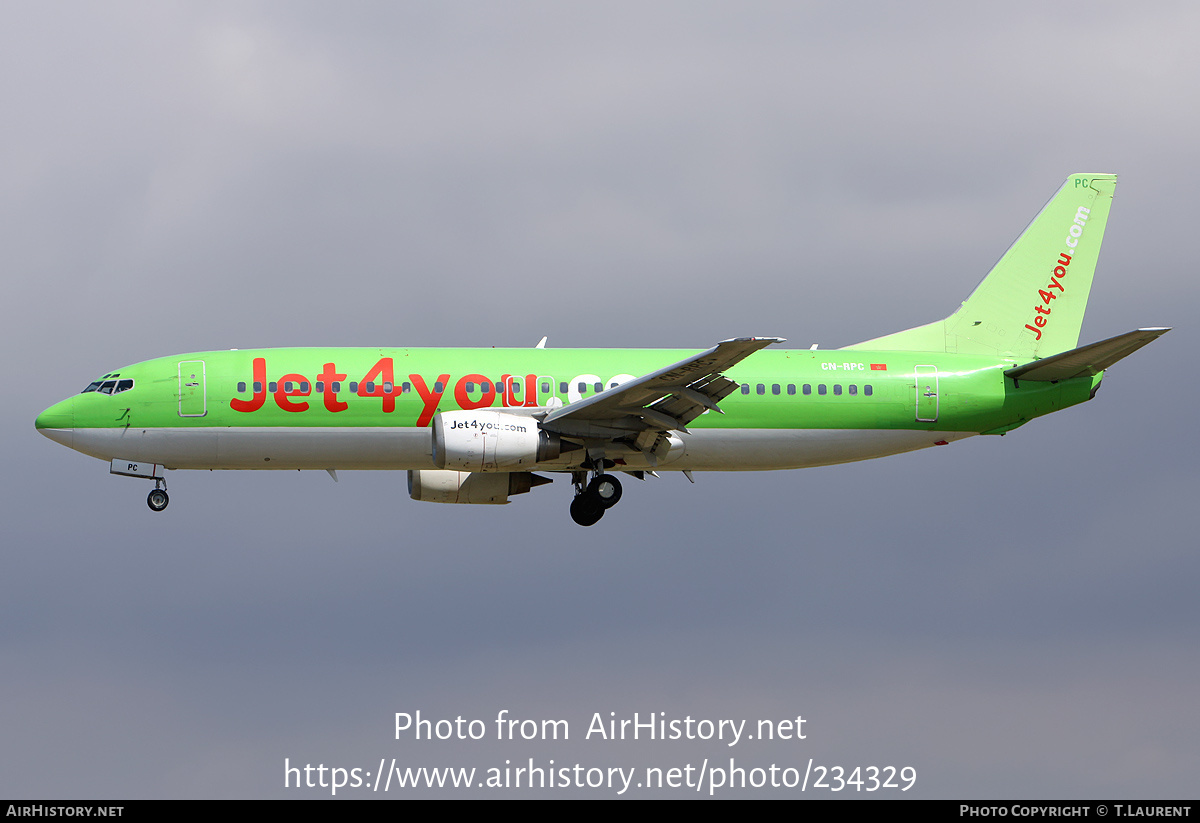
[(411, 448)]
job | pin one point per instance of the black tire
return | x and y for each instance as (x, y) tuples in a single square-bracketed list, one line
[(586, 509), (157, 500), (607, 490)]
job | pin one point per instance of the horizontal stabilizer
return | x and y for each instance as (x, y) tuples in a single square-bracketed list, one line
[(1085, 360)]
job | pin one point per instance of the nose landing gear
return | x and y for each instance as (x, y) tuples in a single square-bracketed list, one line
[(597, 497), (158, 499)]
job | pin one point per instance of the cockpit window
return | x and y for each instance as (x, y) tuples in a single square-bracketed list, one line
[(107, 386)]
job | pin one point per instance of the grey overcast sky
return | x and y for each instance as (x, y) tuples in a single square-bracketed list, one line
[(1011, 617)]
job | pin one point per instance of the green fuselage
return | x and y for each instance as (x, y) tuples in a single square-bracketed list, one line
[(321, 390)]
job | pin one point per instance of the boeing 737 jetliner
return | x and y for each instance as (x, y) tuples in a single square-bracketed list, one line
[(475, 425)]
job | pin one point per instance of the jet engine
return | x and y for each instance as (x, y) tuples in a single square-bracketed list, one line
[(483, 440)]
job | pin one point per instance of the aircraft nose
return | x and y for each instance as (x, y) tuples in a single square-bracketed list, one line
[(58, 422)]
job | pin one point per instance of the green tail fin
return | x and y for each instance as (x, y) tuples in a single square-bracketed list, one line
[(1031, 303)]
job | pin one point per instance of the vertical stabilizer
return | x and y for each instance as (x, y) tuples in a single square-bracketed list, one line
[(1032, 302)]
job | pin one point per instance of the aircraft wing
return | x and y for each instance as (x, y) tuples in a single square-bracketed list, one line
[(661, 401)]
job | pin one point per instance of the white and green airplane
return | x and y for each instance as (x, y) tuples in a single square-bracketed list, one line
[(474, 425)]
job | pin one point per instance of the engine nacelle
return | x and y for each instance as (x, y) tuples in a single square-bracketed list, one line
[(483, 440), (440, 486)]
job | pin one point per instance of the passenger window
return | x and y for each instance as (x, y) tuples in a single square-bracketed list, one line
[(820, 388), (241, 388), (353, 387), (545, 388), (837, 388), (304, 387), (287, 385), (320, 386), (807, 388), (404, 387), (438, 386), (582, 388), (257, 386), (599, 388), (745, 388), (867, 390), (852, 389), (760, 389), (563, 388), (387, 387), (369, 388), (336, 386), (791, 388), (774, 388)]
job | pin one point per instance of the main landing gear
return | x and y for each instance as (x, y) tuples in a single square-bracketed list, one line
[(157, 500), (592, 500)]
